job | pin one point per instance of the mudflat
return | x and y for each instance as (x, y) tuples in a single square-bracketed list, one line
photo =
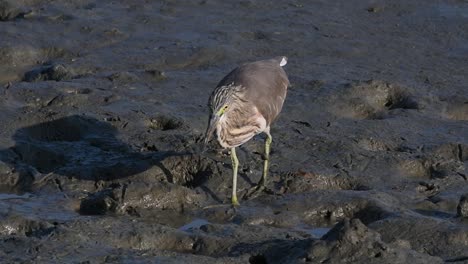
[(103, 106)]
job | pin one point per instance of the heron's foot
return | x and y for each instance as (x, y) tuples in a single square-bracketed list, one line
[(234, 201), (256, 191)]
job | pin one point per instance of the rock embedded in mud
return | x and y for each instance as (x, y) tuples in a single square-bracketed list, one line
[(157, 75), (373, 9), (56, 72), (462, 208)]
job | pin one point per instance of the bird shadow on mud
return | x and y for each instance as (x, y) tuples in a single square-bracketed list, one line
[(81, 152)]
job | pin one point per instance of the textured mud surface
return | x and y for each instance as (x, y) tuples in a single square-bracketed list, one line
[(103, 107)]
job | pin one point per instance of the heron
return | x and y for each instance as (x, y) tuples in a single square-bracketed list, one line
[(244, 104)]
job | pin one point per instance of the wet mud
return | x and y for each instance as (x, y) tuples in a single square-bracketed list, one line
[(103, 106)]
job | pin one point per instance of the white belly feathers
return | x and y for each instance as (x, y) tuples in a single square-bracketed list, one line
[(238, 136)]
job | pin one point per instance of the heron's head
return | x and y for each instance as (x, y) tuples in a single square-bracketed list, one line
[(223, 98), (217, 112)]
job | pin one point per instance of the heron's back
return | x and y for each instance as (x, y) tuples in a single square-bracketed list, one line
[(264, 85)]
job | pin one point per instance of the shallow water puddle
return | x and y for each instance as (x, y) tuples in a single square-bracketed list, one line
[(317, 232), (448, 10), (8, 196), (29, 205), (196, 223)]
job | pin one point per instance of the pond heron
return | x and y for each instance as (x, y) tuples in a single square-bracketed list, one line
[(244, 104)]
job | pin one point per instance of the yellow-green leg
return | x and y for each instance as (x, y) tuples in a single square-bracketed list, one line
[(261, 185), (263, 180), (235, 165)]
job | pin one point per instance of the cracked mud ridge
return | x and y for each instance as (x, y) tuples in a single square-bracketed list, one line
[(103, 107)]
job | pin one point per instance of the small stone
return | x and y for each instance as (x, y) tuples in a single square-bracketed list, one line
[(157, 75), (462, 208), (373, 9)]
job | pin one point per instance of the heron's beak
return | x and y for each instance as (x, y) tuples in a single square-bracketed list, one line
[(214, 119)]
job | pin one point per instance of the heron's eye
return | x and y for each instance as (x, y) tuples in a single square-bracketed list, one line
[(222, 110)]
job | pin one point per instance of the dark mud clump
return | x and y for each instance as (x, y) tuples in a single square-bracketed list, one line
[(462, 208), (103, 111), (55, 72), (9, 10), (15, 179)]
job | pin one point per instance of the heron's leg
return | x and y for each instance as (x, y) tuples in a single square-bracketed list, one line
[(235, 164), (263, 180), (261, 185)]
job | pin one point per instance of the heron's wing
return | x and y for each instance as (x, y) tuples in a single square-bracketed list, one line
[(266, 85)]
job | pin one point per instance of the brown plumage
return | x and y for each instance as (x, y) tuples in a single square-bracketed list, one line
[(244, 104)]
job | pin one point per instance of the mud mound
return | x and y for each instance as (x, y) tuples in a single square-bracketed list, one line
[(9, 10), (437, 161), (172, 184), (348, 242), (456, 109), (372, 100), (305, 181), (139, 198), (416, 168), (440, 238), (353, 242), (54, 72)]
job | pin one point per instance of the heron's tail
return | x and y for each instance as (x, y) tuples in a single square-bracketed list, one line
[(283, 60)]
